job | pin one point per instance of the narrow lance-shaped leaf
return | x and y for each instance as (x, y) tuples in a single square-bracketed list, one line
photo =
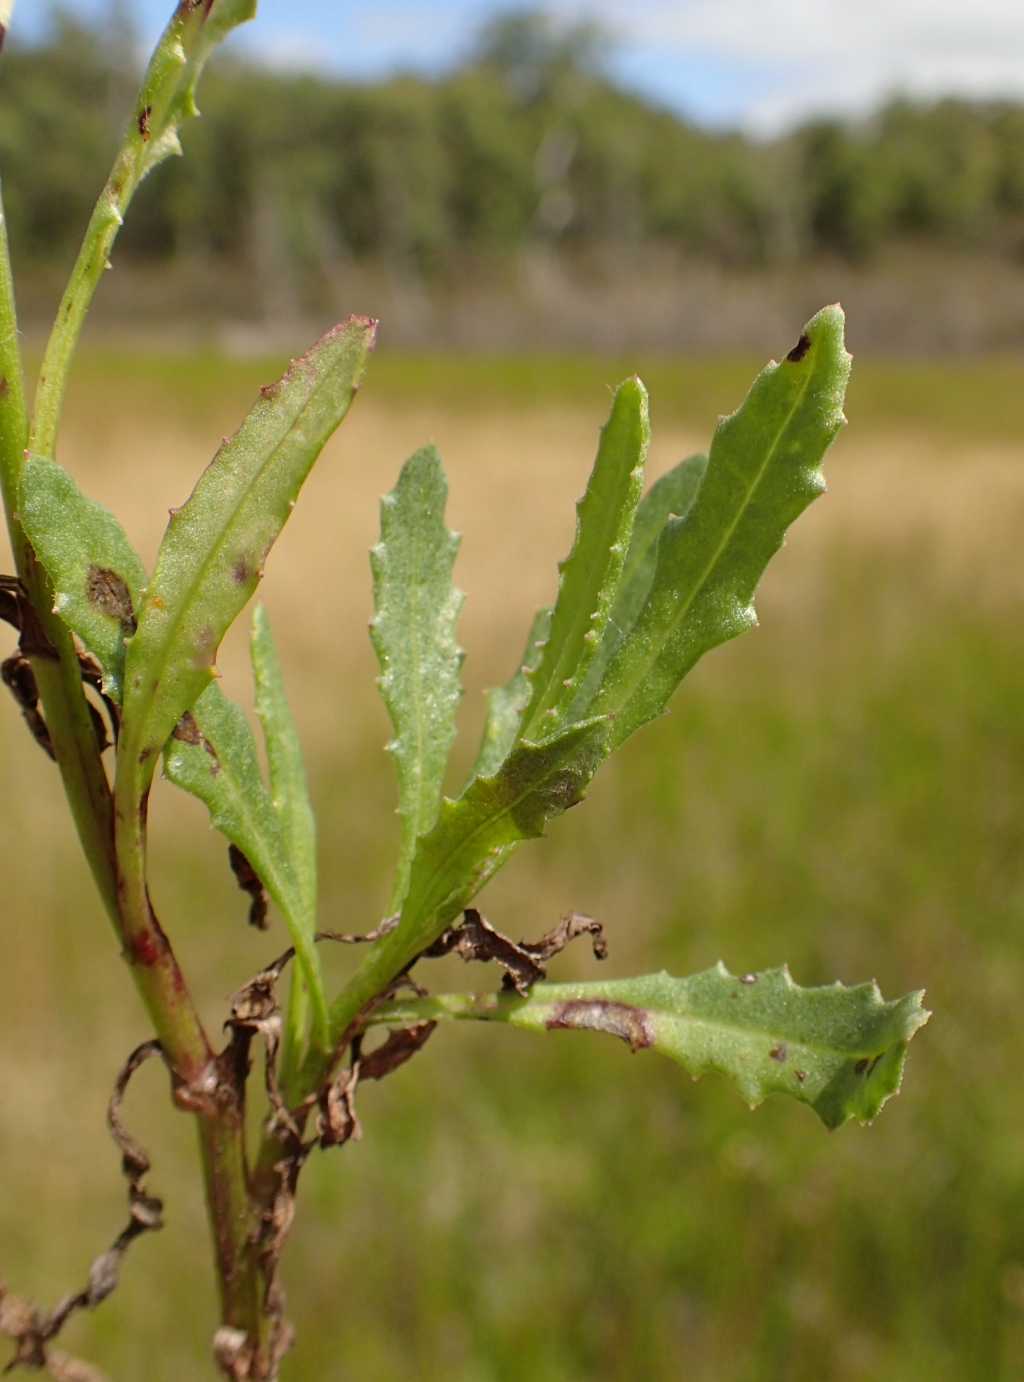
[(589, 576), (839, 1050), (213, 756), (505, 704), (763, 471), (165, 100), (413, 633), (213, 553), (294, 815), (167, 97), (98, 581), (673, 494), (284, 760)]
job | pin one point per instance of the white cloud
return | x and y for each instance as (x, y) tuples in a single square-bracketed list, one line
[(807, 55)]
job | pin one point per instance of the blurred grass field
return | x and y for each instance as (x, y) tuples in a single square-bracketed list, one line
[(842, 788)]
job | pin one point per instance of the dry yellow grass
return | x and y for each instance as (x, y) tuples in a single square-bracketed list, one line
[(514, 475), (947, 513)]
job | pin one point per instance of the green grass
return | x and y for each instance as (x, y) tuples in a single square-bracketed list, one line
[(842, 788)]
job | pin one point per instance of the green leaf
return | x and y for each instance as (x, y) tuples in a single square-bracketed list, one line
[(167, 97), (98, 581), (213, 553), (762, 472), (413, 632), (213, 756), (473, 837), (589, 576), (838, 1050), (673, 494), (475, 834), (284, 760), (505, 704)]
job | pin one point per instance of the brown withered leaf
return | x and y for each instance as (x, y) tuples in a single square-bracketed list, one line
[(337, 1122), (249, 882), (63, 1368), (476, 939), (401, 1045), (524, 963), (567, 930), (23, 1321), (233, 1351), (10, 606), (17, 675)]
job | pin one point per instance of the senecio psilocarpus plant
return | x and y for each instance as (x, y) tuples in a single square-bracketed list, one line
[(115, 673)]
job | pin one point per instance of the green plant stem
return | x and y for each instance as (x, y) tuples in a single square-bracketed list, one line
[(231, 1214), (149, 956), (163, 101), (93, 258), (113, 835), (466, 1007), (59, 681)]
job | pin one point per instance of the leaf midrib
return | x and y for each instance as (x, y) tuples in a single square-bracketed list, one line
[(574, 637), (467, 840), (769, 1034)]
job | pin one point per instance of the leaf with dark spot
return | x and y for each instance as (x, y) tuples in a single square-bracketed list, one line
[(631, 1025), (186, 731), (97, 578), (848, 1043), (801, 348), (764, 468), (108, 592)]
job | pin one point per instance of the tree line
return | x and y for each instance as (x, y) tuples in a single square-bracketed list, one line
[(528, 140)]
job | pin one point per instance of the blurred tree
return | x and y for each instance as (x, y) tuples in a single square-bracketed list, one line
[(527, 139)]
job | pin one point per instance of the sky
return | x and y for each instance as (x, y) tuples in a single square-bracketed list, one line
[(762, 65)]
